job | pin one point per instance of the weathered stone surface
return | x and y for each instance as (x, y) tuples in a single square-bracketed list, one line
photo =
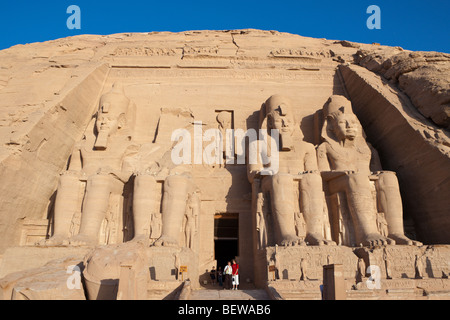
[(57, 280), (87, 161), (423, 76), (408, 145)]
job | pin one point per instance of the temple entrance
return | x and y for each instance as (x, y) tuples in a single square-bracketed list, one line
[(226, 238)]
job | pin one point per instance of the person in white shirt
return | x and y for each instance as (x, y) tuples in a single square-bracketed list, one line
[(227, 271)]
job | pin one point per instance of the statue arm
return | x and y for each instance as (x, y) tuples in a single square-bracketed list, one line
[(310, 158), (322, 158), (324, 165), (253, 172)]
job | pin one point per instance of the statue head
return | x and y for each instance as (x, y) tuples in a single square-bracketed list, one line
[(342, 122), (111, 116), (276, 114), (224, 120)]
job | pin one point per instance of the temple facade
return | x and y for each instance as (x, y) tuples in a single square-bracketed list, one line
[(145, 160)]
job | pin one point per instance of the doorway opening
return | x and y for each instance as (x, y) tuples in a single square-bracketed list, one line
[(226, 238)]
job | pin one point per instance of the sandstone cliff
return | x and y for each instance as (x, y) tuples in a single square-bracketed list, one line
[(49, 93)]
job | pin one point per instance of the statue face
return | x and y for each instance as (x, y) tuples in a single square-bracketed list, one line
[(345, 126), (110, 118), (106, 123), (284, 124)]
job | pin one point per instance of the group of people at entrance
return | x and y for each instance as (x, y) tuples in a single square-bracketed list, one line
[(228, 277)]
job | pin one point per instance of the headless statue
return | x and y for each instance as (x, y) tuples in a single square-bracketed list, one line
[(296, 157), (346, 161), (103, 164)]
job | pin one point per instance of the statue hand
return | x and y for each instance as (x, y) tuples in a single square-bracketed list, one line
[(309, 171)]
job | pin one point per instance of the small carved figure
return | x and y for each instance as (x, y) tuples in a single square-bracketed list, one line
[(192, 213), (261, 221), (419, 268), (303, 269), (361, 270), (387, 264)]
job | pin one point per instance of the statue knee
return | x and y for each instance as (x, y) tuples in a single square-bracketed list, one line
[(387, 179), (103, 183), (67, 179), (280, 179), (311, 180), (175, 181), (144, 181)]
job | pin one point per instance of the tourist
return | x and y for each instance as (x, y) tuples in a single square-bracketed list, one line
[(212, 274), (228, 274), (235, 275), (219, 276)]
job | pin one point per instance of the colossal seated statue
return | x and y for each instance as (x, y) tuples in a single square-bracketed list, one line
[(348, 164), (297, 162), (102, 165)]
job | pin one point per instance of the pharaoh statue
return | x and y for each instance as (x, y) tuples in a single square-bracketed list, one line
[(177, 199), (102, 161), (180, 200), (297, 162), (348, 164)]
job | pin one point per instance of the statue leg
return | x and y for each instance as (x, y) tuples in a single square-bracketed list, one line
[(98, 191), (282, 203), (143, 205), (176, 188), (390, 202), (312, 208), (361, 205), (66, 204)]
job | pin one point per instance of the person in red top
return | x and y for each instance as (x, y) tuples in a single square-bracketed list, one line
[(235, 275)]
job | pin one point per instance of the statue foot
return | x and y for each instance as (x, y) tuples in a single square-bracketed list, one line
[(291, 241), (404, 240), (375, 239), (141, 238), (166, 241), (318, 240), (54, 241), (81, 240)]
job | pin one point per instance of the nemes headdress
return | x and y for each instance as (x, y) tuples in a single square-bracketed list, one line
[(335, 106)]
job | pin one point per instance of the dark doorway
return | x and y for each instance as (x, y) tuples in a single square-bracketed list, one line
[(226, 238)]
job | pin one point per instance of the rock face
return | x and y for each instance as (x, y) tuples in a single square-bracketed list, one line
[(57, 280), (423, 76), (110, 141)]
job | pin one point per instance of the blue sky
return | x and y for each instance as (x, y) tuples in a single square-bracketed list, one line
[(413, 25)]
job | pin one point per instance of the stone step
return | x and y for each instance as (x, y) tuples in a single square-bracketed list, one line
[(221, 294), (301, 295), (363, 295), (163, 290)]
